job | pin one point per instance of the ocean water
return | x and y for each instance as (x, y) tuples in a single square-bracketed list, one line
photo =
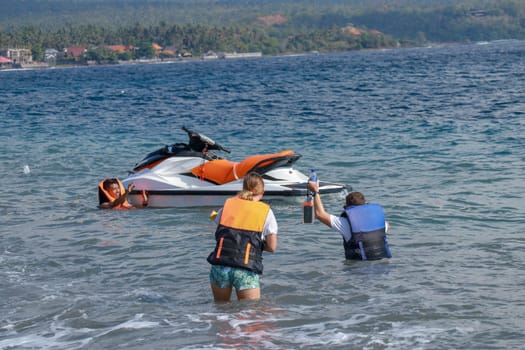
[(433, 134)]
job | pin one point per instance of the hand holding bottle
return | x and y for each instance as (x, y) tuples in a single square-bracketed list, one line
[(313, 186), (308, 205)]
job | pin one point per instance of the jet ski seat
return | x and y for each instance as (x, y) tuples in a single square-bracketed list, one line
[(221, 171)]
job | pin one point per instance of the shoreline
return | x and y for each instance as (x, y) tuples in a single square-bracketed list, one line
[(45, 66)]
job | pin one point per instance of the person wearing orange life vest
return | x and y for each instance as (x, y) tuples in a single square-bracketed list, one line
[(246, 227), (111, 195)]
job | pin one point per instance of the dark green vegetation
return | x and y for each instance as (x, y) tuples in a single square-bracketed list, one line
[(269, 26)]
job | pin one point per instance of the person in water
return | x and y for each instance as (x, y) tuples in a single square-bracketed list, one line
[(246, 227), (362, 225), (111, 195)]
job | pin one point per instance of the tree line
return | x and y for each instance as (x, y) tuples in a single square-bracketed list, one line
[(197, 39), (199, 26)]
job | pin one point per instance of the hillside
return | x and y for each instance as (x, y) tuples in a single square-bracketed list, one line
[(432, 20), (171, 29)]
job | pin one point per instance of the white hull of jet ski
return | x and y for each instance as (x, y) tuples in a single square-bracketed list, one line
[(177, 190)]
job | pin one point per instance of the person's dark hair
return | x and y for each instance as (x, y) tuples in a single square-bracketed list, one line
[(355, 198), (109, 182)]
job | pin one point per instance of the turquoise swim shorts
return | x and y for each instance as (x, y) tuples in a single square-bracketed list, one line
[(240, 279)]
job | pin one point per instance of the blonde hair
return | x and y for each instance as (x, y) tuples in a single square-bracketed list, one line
[(253, 185)]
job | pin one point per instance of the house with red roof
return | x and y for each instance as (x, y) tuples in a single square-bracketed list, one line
[(157, 48), (74, 51), (351, 30), (5, 62), (117, 48)]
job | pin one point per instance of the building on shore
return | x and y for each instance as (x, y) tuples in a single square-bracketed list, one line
[(5, 63), (211, 55), (242, 54), (18, 57)]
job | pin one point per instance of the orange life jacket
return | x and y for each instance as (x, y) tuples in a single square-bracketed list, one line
[(104, 196), (238, 236)]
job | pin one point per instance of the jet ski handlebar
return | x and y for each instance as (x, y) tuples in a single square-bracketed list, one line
[(198, 142)]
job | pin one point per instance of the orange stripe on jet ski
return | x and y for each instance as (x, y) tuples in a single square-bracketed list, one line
[(249, 163), (150, 165)]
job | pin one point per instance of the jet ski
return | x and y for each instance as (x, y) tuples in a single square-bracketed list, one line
[(193, 174)]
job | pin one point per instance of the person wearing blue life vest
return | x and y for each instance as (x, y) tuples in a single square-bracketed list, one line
[(362, 225)]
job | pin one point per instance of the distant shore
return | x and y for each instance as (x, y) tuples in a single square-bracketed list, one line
[(45, 65)]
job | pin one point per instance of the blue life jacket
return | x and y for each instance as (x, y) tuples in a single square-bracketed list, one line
[(367, 224)]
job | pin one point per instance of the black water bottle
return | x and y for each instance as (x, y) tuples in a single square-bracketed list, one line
[(308, 204)]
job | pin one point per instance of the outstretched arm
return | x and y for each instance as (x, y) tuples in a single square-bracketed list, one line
[(320, 213)]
